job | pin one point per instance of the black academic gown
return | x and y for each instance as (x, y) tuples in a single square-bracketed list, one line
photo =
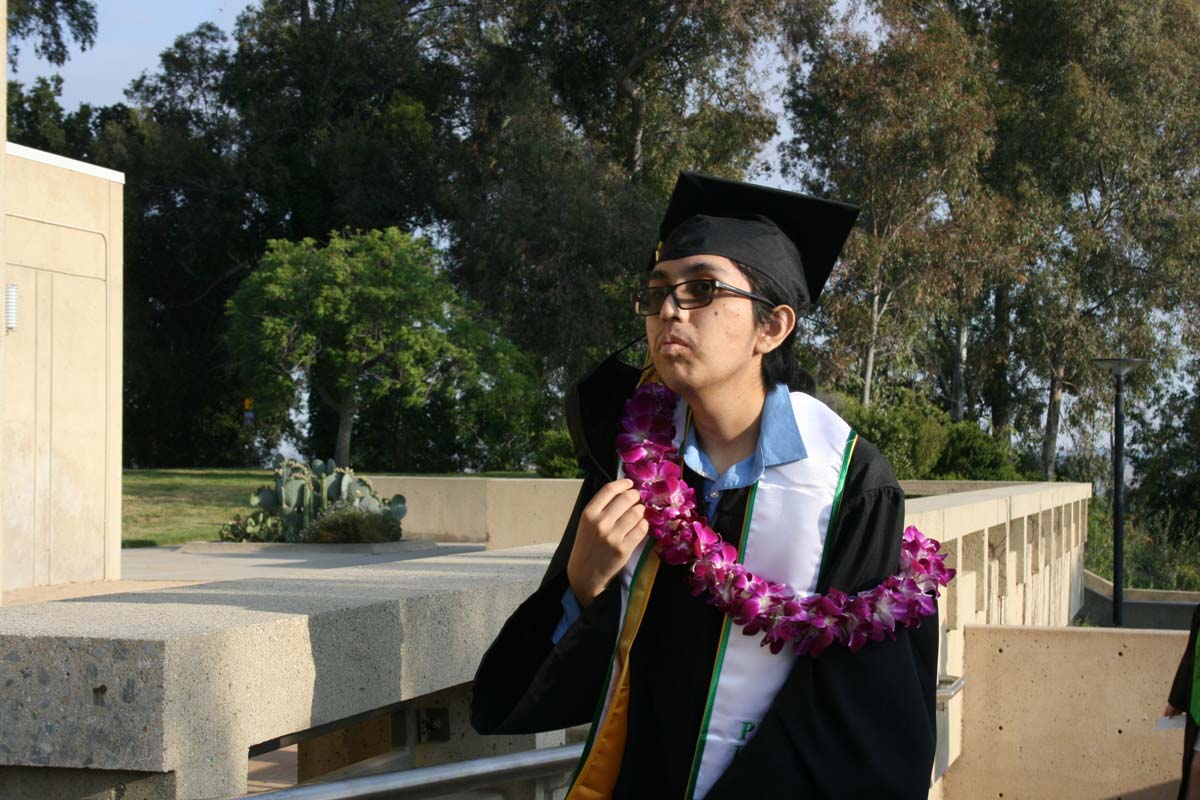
[(842, 725), (1181, 698)]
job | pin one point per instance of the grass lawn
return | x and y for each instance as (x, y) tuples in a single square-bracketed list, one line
[(169, 506)]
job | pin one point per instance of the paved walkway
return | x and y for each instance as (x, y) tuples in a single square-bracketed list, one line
[(145, 568)]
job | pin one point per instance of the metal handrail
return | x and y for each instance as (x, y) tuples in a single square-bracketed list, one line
[(430, 781)]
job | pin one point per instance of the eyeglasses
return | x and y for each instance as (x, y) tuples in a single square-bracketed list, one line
[(689, 294)]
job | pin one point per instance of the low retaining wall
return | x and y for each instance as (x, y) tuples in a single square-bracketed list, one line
[(1142, 608), (498, 512), (1067, 713), (1018, 550)]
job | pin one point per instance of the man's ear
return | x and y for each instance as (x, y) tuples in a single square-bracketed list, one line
[(772, 332)]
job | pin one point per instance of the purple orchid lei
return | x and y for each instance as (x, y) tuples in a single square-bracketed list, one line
[(682, 537)]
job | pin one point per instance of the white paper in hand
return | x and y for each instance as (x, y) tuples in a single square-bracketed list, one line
[(1175, 723)]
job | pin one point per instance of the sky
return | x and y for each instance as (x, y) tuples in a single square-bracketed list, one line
[(130, 36)]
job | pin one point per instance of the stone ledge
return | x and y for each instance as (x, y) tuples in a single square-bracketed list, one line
[(185, 680), (282, 548)]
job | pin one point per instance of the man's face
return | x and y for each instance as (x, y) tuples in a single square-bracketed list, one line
[(712, 348)]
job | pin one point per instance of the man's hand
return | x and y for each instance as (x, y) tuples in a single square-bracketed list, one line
[(612, 525), (1171, 711)]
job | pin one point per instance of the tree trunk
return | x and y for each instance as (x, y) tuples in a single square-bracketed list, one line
[(346, 411), (1053, 412), (637, 124), (1001, 394), (869, 360), (958, 388)]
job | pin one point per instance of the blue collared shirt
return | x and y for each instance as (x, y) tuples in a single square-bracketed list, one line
[(779, 442)]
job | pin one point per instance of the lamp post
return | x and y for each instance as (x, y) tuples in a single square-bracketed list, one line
[(1119, 368)]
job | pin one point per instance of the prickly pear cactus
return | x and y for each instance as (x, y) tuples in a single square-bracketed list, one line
[(291, 510)]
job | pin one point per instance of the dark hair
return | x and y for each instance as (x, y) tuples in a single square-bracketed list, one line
[(779, 365)]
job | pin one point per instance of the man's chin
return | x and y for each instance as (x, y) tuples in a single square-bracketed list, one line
[(674, 379)]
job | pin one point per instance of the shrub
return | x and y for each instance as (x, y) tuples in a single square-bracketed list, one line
[(910, 432), (555, 457), (258, 526), (303, 494), (344, 523), (971, 453)]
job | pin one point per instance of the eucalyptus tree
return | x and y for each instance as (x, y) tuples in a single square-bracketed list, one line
[(1100, 126), (897, 119)]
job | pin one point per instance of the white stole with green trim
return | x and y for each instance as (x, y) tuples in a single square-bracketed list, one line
[(792, 505)]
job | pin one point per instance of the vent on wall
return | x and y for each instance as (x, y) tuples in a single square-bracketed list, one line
[(10, 308)]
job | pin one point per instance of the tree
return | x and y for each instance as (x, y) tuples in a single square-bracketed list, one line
[(1099, 105), (50, 23), (348, 111), (900, 126), (364, 317), (579, 115), (36, 119), (1165, 455)]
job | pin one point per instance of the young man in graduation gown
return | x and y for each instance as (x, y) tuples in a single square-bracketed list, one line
[(683, 705)]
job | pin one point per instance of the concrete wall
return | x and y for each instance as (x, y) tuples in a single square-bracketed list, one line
[(1142, 608), (498, 512), (1067, 713), (514, 512), (1018, 551), (171, 687), (61, 401), (3, 261)]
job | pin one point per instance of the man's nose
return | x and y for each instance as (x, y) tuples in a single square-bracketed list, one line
[(670, 308)]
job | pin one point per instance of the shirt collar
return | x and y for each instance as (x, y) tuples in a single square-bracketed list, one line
[(779, 442)]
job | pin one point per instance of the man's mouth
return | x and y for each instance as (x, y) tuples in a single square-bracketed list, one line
[(672, 344)]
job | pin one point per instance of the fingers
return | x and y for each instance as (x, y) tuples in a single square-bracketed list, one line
[(608, 510), (632, 525)]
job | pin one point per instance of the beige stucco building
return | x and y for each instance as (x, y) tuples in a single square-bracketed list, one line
[(60, 367)]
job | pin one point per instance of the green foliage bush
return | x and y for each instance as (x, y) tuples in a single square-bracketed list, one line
[(921, 442), (1153, 558), (258, 526), (555, 457), (910, 432), (971, 453), (343, 523)]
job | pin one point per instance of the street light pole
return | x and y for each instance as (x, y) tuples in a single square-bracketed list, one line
[(1119, 504), (1119, 367)]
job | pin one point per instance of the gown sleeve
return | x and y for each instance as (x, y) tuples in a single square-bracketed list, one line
[(527, 683), (852, 724), (1181, 687)]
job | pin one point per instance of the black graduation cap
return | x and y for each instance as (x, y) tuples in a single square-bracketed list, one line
[(794, 239)]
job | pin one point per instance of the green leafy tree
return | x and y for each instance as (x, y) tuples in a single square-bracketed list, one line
[(37, 119), (362, 318), (1165, 455), (578, 117), (50, 23), (1099, 103), (901, 127)]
